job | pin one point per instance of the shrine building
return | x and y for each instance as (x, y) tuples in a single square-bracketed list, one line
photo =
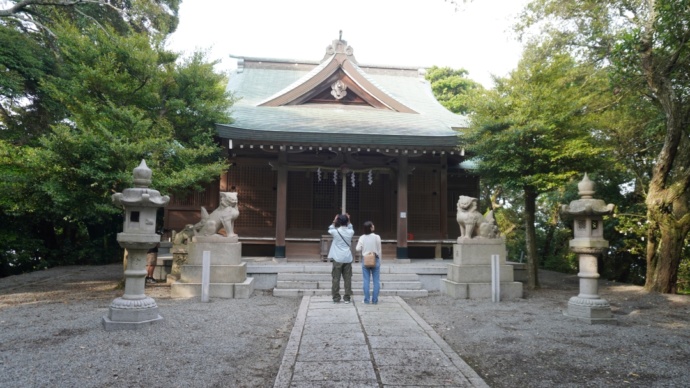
[(310, 139)]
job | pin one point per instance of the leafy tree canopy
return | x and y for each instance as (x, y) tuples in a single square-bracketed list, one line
[(645, 47), (535, 130), (83, 104), (451, 87)]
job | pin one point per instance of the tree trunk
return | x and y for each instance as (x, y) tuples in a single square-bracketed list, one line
[(667, 199), (666, 239), (531, 239)]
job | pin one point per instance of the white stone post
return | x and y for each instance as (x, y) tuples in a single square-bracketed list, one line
[(495, 279), (205, 275)]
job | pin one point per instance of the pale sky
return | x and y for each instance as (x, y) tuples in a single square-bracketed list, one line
[(383, 32)]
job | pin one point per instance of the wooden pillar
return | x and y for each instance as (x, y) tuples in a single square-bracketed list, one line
[(402, 208), (443, 197), (281, 205), (224, 184)]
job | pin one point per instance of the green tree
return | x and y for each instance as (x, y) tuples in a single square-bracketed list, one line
[(116, 96), (532, 132), (155, 17), (452, 87), (647, 46)]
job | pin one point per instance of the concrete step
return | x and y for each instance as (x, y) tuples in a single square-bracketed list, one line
[(295, 293), (326, 284), (241, 290), (318, 282), (321, 276)]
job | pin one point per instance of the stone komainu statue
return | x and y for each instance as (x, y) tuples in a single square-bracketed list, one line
[(472, 223), (222, 218), (185, 236)]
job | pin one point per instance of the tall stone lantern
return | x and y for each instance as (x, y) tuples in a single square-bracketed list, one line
[(588, 242), (134, 309)]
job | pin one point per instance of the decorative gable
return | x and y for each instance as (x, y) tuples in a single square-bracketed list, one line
[(337, 80)]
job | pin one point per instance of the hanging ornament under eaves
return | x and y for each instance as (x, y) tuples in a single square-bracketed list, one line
[(335, 177), (370, 178), (318, 173), (352, 178)]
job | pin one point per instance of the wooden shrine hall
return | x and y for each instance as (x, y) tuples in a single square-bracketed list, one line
[(311, 139)]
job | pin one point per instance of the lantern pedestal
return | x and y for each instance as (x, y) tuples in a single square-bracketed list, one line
[(588, 243), (588, 306), (134, 309)]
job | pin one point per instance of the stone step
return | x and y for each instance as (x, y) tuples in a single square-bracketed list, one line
[(295, 293), (323, 276), (318, 282), (241, 290), (326, 284)]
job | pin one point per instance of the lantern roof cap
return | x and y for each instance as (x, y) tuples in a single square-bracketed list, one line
[(587, 205)]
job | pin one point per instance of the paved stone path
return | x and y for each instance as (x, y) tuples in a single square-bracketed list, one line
[(366, 345)]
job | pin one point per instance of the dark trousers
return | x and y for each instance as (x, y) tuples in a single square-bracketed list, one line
[(344, 270)]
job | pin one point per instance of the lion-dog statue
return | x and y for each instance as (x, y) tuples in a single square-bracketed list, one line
[(222, 218), (472, 223)]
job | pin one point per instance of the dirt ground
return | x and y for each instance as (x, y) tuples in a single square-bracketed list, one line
[(51, 335)]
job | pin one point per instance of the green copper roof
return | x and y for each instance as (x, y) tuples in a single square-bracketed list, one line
[(432, 126)]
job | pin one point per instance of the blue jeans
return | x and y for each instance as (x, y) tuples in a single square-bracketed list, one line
[(367, 274)]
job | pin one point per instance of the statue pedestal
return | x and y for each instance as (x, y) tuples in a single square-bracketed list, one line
[(228, 277), (469, 277)]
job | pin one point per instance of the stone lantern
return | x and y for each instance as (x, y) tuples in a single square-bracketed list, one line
[(134, 309), (588, 242)]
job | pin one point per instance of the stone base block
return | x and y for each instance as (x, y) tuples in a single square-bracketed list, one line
[(219, 273), (222, 253), (110, 325), (478, 251), (519, 271), (216, 238), (244, 290), (131, 314), (592, 311), (509, 290), (241, 290), (170, 279), (477, 273)]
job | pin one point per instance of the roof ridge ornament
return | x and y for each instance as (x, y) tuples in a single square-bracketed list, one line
[(339, 46)]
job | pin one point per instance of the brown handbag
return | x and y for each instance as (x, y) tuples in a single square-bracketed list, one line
[(370, 260)]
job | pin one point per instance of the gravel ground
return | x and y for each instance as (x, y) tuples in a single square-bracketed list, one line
[(530, 343), (51, 336)]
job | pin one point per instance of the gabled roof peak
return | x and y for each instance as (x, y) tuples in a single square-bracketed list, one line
[(339, 47), (337, 80)]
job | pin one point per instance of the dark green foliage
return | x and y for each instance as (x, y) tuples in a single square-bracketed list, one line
[(644, 47), (451, 87), (107, 95), (532, 134)]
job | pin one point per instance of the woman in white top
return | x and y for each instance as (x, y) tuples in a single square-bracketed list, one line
[(370, 242)]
